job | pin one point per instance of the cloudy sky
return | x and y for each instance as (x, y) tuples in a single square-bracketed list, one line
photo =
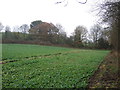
[(18, 12)]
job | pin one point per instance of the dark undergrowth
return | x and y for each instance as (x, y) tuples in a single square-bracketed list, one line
[(107, 75)]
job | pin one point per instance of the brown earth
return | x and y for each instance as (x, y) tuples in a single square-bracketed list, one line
[(108, 73)]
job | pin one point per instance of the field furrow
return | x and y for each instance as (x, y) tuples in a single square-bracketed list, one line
[(7, 60)]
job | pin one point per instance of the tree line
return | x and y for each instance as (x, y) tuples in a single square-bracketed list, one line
[(47, 33), (39, 32), (109, 12)]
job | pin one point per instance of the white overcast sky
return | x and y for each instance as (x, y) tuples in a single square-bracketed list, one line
[(18, 12)]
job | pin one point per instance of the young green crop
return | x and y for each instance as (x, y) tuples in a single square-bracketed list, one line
[(15, 51), (71, 69)]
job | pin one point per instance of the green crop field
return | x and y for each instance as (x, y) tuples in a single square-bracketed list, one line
[(35, 66)]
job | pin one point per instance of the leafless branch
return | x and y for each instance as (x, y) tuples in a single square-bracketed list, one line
[(81, 2), (60, 2), (67, 2)]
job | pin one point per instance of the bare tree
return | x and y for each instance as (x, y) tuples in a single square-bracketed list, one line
[(110, 12), (16, 29), (80, 34), (66, 2), (24, 28), (95, 33), (61, 29), (62, 37), (1, 26), (7, 29), (7, 32)]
